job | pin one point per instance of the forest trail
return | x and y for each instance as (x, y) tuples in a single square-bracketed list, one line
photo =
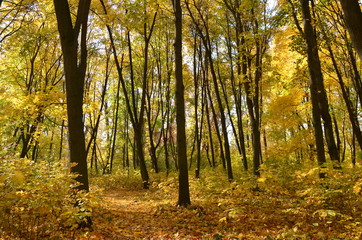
[(124, 215), (147, 214), (133, 214)]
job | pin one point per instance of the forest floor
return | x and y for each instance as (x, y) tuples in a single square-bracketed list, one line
[(229, 213)]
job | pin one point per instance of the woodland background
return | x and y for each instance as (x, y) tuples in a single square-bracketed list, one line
[(272, 97)]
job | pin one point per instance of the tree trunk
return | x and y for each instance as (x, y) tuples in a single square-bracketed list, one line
[(216, 124), (352, 113), (353, 19), (184, 192), (136, 117), (315, 79), (211, 141), (75, 69)]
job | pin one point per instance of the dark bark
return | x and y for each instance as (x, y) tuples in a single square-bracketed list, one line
[(140, 125), (165, 133), (315, 79), (357, 82), (216, 125), (315, 71), (199, 133), (352, 113), (167, 106), (184, 192), (353, 151), (211, 142), (61, 140), (198, 76), (353, 19), (153, 111), (115, 127), (75, 69)]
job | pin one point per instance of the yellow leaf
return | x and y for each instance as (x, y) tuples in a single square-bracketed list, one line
[(262, 179), (357, 188), (312, 171), (18, 178), (2, 178)]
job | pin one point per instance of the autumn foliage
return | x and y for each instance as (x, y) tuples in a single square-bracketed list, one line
[(247, 111), (37, 200)]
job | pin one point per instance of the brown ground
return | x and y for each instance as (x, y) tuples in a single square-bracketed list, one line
[(140, 214)]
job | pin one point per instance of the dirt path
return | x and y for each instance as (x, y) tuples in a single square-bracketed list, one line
[(139, 214), (132, 215), (122, 215)]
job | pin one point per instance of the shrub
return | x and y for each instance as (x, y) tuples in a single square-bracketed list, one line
[(119, 179), (37, 200)]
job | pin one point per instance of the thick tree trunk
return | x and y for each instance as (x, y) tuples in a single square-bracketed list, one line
[(315, 70), (315, 80), (75, 69), (353, 19), (138, 131)]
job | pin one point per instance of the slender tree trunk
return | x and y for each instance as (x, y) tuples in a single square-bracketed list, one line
[(199, 135), (236, 89), (211, 142), (196, 103), (353, 150), (208, 52), (184, 192), (61, 140), (222, 117), (115, 127), (356, 75), (151, 129), (312, 51), (216, 124), (352, 113), (94, 133), (135, 116)]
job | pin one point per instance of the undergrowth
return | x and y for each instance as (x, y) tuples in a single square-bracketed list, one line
[(287, 202), (37, 200)]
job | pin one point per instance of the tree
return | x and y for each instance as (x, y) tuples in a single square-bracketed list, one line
[(320, 105), (353, 19), (252, 27), (183, 189), (75, 66), (136, 116), (202, 27)]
